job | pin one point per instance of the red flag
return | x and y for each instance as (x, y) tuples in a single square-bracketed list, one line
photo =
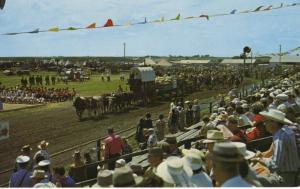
[(93, 25), (109, 23), (204, 16)]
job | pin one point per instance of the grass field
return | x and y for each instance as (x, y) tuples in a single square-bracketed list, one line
[(94, 86)]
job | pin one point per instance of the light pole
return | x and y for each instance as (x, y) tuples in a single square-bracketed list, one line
[(246, 50), (124, 44)]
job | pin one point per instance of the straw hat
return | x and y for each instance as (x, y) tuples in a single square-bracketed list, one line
[(174, 171), (226, 152), (243, 150), (275, 115), (104, 179), (120, 163), (282, 97), (214, 136), (43, 144), (44, 163), (26, 148), (193, 158), (123, 177), (22, 159), (76, 154), (38, 174)]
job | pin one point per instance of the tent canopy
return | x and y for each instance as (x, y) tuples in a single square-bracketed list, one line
[(145, 74)]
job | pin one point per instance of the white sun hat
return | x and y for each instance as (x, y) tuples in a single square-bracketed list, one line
[(44, 163), (193, 159), (275, 115), (22, 159), (174, 171)]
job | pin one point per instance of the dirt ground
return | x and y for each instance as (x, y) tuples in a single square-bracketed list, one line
[(58, 124)]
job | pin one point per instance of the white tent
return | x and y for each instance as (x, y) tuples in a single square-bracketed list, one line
[(145, 74)]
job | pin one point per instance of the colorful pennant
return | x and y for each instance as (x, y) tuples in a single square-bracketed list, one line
[(109, 22)]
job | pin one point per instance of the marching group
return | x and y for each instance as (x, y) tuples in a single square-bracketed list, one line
[(34, 95), (220, 158)]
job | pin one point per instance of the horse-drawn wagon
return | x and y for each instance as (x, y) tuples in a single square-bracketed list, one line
[(142, 83)]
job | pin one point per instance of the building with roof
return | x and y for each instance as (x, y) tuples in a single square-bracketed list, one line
[(239, 61), (292, 60), (192, 62)]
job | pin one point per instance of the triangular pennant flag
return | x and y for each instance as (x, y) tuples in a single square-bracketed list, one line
[(144, 22), (233, 11), (109, 23), (258, 8), (190, 17), (177, 17), (268, 8), (91, 26), (294, 4), (204, 16), (54, 30), (34, 31), (71, 28), (12, 33), (156, 21)]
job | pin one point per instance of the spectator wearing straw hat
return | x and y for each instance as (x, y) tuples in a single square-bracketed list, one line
[(238, 134), (124, 177), (104, 179), (21, 178), (45, 165), (174, 172), (43, 145), (226, 159), (193, 159), (77, 162), (60, 179), (155, 157), (39, 180), (282, 156), (25, 151)]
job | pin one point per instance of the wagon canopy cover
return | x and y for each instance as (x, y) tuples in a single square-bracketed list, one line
[(145, 74)]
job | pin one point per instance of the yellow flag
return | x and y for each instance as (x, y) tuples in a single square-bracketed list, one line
[(54, 30)]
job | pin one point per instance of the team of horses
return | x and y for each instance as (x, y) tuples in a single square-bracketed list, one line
[(97, 106)]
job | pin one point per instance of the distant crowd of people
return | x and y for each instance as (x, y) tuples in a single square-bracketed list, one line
[(38, 80), (34, 95)]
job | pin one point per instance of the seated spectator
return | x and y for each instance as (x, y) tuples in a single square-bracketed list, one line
[(238, 135), (21, 178), (40, 180), (26, 151), (193, 159), (175, 173), (87, 158), (160, 125), (104, 179), (152, 139), (226, 159), (124, 177), (127, 149), (45, 166), (61, 180), (173, 145), (155, 157), (77, 163), (120, 163)]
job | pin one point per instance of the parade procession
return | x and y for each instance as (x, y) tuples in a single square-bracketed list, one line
[(183, 93)]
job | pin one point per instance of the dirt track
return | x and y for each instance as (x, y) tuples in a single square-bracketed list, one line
[(58, 124)]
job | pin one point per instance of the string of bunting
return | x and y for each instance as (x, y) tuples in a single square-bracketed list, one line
[(110, 23)]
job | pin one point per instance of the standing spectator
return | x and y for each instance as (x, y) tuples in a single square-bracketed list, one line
[(196, 112), (127, 149), (61, 180), (173, 145), (113, 147), (21, 178), (173, 121), (226, 159), (43, 150), (189, 114), (53, 80), (282, 156), (87, 158), (139, 135), (181, 118), (193, 159), (39, 180), (148, 121), (160, 126), (152, 139)]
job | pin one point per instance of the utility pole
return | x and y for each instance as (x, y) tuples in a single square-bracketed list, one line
[(280, 54), (124, 44)]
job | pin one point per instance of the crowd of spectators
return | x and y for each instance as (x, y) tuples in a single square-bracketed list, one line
[(34, 95), (221, 157)]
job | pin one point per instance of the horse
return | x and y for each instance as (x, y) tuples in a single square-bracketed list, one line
[(80, 105)]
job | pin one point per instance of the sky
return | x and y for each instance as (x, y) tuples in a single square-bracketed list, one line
[(219, 36)]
